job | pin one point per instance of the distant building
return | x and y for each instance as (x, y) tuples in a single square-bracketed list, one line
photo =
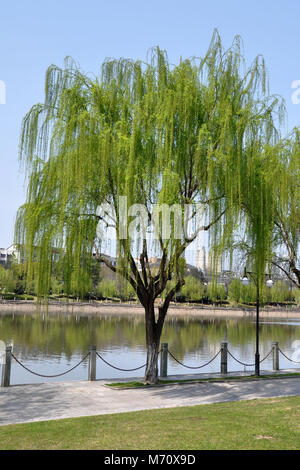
[(3, 256), (6, 255), (204, 261), (16, 252), (200, 259)]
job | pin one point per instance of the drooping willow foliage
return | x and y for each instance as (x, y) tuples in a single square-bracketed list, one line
[(203, 131), (287, 215)]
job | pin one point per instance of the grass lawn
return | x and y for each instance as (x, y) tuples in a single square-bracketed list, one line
[(124, 385), (255, 424)]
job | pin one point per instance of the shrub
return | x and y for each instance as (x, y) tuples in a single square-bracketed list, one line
[(107, 289), (7, 281), (216, 292), (296, 295), (193, 289), (234, 290)]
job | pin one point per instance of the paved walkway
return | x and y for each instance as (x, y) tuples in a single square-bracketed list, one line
[(48, 401)]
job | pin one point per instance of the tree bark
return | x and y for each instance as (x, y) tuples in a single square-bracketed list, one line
[(153, 334), (151, 372)]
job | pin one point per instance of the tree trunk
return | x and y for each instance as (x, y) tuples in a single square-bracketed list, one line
[(151, 373), (153, 334)]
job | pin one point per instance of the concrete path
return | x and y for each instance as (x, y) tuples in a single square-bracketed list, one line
[(48, 401)]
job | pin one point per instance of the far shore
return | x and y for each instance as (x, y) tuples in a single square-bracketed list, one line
[(109, 308)]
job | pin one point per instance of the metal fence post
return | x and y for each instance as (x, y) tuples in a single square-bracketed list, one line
[(6, 368), (275, 354), (92, 363), (164, 360), (224, 358)]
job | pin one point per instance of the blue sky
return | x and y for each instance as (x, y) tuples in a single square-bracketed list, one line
[(35, 34)]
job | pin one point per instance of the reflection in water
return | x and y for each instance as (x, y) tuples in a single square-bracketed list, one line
[(52, 343)]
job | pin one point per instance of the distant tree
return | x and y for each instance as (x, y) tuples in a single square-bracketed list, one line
[(193, 288), (107, 289), (216, 292), (7, 281)]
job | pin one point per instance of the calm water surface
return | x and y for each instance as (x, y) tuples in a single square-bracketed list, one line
[(52, 343)]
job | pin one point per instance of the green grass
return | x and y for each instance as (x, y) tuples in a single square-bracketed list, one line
[(255, 424), (122, 385)]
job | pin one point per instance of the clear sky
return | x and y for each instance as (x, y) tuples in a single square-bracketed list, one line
[(35, 34)]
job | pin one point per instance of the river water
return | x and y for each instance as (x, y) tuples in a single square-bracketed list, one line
[(50, 344)]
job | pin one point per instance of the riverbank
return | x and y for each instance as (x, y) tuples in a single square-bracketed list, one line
[(110, 308)]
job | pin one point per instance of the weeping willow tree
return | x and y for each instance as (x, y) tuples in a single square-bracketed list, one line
[(190, 135), (271, 203), (287, 212)]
